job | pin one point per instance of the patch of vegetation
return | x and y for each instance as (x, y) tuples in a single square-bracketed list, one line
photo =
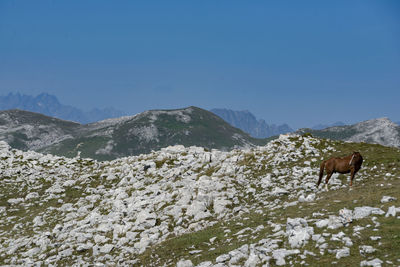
[(342, 134), (87, 145)]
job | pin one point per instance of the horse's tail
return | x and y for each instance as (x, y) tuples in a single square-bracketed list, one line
[(321, 172)]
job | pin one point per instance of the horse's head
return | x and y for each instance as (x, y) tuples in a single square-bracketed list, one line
[(357, 156)]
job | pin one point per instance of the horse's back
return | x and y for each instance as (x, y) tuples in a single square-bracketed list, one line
[(339, 165)]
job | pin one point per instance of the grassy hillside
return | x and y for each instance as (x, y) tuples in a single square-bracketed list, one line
[(375, 131), (341, 132), (153, 130), (29, 130), (378, 162), (182, 203)]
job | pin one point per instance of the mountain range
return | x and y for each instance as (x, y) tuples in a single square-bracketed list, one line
[(49, 105), (155, 129), (124, 136), (247, 122)]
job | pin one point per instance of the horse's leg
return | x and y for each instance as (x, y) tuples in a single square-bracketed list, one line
[(353, 172), (321, 172), (328, 176)]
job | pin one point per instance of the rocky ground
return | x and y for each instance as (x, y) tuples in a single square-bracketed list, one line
[(187, 206)]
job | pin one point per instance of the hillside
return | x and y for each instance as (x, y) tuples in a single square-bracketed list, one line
[(376, 131), (28, 130), (125, 136), (247, 122), (189, 206)]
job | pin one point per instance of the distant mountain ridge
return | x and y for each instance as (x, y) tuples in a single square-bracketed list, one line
[(49, 105), (324, 126), (124, 136), (377, 131), (247, 122)]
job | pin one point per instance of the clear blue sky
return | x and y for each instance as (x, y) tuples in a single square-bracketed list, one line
[(295, 62)]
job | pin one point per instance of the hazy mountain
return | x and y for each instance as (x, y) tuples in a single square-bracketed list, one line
[(324, 126), (49, 105), (377, 131), (247, 122), (130, 135)]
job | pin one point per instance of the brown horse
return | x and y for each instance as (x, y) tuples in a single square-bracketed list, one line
[(351, 163)]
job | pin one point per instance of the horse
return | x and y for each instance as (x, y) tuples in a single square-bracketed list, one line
[(349, 164)]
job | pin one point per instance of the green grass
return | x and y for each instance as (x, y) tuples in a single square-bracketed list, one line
[(87, 145), (175, 248), (345, 132)]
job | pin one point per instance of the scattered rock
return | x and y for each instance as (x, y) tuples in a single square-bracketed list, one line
[(298, 232), (386, 199), (280, 254), (364, 250), (391, 211), (341, 253), (184, 263), (362, 212), (375, 263)]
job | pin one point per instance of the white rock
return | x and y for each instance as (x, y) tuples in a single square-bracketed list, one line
[(322, 223), (32, 252), (333, 222), (38, 221), (146, 219), (375, 263), (375, 238), (84, 247), (347, 241), (344, 252), (15, 201), (279, 191), (362, 212), (32, 195), (205, 264), (364, 250), (184, 263), (391, 211), (220, 205), (298, 232), (310, 197), (69, 183), (252, 261), (222, 258), (143, 244), (280, 254), (345, 216), (198, 210), (99, 239), (104, 227), (386, 199)]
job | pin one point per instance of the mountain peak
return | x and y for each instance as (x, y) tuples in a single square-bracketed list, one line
[(247, 122), (378, 122)]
